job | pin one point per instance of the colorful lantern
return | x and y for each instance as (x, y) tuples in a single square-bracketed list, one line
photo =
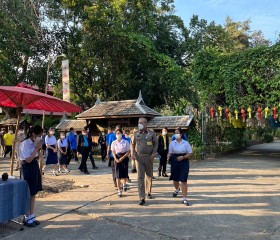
[(227, 112), (266, 112), (249, 110), (259, 113), (212, 112), (236, 114), (243, 114), (275, 112), (220, 111)]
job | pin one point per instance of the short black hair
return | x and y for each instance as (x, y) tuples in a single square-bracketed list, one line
[(165, 128), (36, 130), (71, 129), (119, 130), (180, 130)]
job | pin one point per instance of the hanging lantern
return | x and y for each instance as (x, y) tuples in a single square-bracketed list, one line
[(249, 110), (266, 112), (229, 117), (212, 112), (243, 114), (220, 111), (236, 114), (275, 112), (227, 112), (259, 113)]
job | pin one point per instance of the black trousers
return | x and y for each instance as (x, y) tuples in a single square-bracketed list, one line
[(8, 149), (91, 158), (83, 165), (112, 161), (75, 154), (163, 161), (103, 152)]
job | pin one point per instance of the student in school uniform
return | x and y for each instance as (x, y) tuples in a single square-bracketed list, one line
[(30, 172), (62, 145), (179, 152), (52, 151), (121, 150)]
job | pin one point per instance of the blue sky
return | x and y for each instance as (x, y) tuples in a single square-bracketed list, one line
[(264, 14)]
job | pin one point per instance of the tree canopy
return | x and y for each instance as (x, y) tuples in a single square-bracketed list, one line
[(116, 48)]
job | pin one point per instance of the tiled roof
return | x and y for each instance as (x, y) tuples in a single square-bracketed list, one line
[(40, 112), (118, 108), (66, 124), (11, 121), (170, 121)]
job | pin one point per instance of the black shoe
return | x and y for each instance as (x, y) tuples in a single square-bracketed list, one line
[(86, 172), (36, 222), (133, 171), (142, 202), (81, 169), (185, 202), (164, 175), (153, 178), (159, 173), (149, 196), (30, 224), (176, 192), (95, 167)]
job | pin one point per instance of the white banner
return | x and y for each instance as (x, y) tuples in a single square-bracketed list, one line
[(65, 80)]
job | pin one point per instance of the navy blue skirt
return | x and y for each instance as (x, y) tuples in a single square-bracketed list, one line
[(31, 174), (63, 158), (121, 169), (179, 169), (52, 156)]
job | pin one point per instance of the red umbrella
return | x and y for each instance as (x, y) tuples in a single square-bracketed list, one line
[(24, 98)]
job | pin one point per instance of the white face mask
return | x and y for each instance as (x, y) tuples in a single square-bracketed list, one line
[(178, 136), (164, 133), (52, 132), (20, 131), (140, 126), (11, 132), (38, 138), (119, 136), (62, 137)]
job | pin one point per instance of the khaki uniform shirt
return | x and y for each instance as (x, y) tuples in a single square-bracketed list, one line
[(144, 142)]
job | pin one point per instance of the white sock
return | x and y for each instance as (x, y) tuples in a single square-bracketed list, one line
[(184, 199)]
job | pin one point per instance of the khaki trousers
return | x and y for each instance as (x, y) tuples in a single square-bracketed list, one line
[(144, 166)]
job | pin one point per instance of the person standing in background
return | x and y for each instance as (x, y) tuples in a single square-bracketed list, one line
[(83, 149), (20, 137), (51, 144), (91, 150), (73, 142), (2, 143), (44, 147), (62, 145), (163, 144), (102, 142), (9, 139)]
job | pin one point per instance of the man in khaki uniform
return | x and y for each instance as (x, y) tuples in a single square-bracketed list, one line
[(143, 149)]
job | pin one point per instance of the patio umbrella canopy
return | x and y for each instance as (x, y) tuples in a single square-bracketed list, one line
[(24, 98)]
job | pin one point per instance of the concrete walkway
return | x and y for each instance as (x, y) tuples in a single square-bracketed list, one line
[(234, 197)]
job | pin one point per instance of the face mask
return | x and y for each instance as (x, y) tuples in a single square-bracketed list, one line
[(103, 134), (38, 138), (52, 132), (164, 133), (11, 132), (20, 131), (75, 133), (178, 136), (62, 137), (87, 130), (140, 126), (119, 136)]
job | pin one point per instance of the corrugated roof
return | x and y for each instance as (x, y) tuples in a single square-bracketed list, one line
[(11, 121), (118, 108), (66, 124), (170, 121)]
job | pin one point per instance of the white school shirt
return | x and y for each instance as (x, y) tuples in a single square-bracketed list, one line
[(120, 147), (50, 140), (26, 148), (178, 148), (63, 143)]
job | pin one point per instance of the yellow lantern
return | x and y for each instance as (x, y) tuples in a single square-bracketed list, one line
[(266, 112), (220, 110), (249, 110), (236, 114)]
